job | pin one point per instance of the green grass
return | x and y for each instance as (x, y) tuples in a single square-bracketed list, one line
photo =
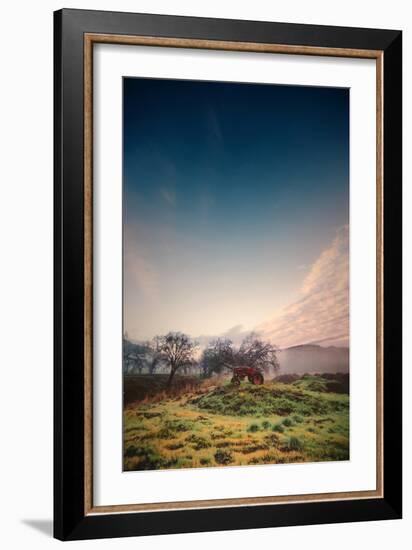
[(233, 426), (270, 399), (323, 383)]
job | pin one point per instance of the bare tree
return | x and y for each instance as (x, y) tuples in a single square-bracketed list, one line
[(216, 356), (133, 357), (257, 353), (176, 350), (153, 356), (253, 352)]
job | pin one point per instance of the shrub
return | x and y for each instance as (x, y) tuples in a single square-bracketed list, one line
[(278, 428), (253, 428), (179, 425), (253, 447), (295, 444), (268, 458), (149, 458), (298, 419), (223, 457), (131, 451), (198, 442), (266, 424), (204, 461), (165, 433), (287, 422)]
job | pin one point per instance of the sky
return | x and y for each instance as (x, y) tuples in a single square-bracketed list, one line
[(236, 210)]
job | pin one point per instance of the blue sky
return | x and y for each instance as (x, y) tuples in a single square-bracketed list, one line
[(231, 193)]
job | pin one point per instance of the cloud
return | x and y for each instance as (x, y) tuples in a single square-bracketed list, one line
[(322, 312), (235, 334)]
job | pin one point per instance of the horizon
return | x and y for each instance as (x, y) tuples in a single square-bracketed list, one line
[(133, 341)]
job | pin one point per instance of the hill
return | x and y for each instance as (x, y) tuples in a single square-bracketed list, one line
[(275, 423)]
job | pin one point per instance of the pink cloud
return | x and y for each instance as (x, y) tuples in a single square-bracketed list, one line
[(322, 311)]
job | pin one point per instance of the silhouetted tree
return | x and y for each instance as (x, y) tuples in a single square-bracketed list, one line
[(153, 354), (257, 353), (253, 352), (176, 350), (133, 357), (216, 356)]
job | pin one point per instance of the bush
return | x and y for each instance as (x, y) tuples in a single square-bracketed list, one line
[(287, 422), (179, 425), (253, 428), (266, 424), (131, 451), (204, 461), (149, 458), (278, 428), (165, 433), (223, 457), (198, 442), (298, 419), (295, 444)]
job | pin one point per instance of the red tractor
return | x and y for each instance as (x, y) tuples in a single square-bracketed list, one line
[(253, 374)]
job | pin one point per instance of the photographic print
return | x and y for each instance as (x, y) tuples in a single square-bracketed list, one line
[(235, 274)]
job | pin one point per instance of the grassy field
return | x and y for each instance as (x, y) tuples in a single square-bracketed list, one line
[(200, 424)]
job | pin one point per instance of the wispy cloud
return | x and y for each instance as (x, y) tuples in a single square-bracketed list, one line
[(322, 311)]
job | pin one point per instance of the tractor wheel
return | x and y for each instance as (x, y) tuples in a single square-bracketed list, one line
[(257, 379), (235, 381)]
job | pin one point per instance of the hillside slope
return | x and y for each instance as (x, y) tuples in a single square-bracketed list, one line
[(274, 423)]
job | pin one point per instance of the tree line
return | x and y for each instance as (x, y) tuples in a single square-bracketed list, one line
[(176, 351)]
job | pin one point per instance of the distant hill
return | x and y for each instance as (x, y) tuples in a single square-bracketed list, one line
[(310, 358)]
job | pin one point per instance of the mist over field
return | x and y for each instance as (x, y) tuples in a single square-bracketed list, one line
[(312, 358)]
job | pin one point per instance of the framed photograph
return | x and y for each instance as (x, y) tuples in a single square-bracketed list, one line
[(227, 274)]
